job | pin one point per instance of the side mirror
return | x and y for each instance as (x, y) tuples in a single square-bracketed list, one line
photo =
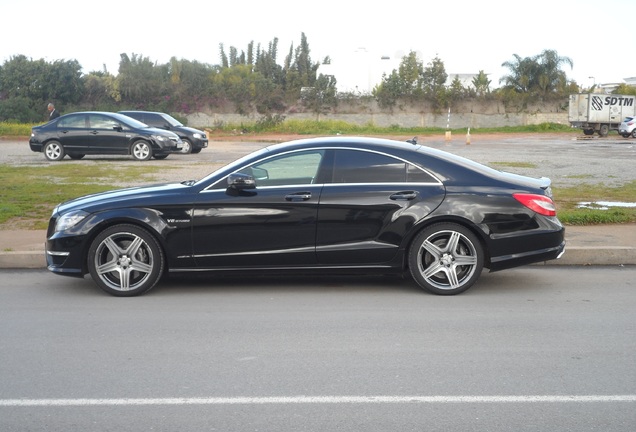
[(240, 181)]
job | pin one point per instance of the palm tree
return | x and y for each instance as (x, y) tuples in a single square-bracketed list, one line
[(551, 78), (540, 74)]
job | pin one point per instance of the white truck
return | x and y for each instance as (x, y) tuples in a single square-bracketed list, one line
[(599, 113)]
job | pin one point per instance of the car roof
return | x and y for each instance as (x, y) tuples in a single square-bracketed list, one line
[(140, 112), (117, 115)]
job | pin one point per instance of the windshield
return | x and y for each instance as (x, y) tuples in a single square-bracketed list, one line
[(130, 121), (171, 120)]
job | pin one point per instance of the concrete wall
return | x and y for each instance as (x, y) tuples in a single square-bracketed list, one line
[(471, 113), (457, 121)]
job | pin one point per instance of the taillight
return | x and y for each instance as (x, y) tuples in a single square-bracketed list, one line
[(537, 203)]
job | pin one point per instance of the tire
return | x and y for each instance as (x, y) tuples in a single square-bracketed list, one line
[(54, 151), (634, 133), (125, 260), (160, 156), (141, 150), (588, 131), (446, 259), (604, 130), (76, 156), (187, 147)]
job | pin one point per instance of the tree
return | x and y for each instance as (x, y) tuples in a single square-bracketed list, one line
[(34, 83), (63, 82), (411, 73), (299, 69), (481, 83), (322, 96), (538, 75), (551, 79), (456, 90), (140, 81), (389, 91), (190, 85), (405, 82), (433, 81), (625, 89), (100, 90)]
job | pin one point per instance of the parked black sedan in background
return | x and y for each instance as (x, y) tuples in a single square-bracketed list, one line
[(82, 133), (194, 140), (327, 204)]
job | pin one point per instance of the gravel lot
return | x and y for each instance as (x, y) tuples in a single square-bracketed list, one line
[(567, 159)]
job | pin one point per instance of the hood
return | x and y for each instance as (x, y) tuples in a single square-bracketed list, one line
[(159, 131), (189, 129), (142, 195)]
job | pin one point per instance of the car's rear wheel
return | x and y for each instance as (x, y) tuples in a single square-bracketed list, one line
[(76, 156), (125, 260), (54, 151), (446, 258), (187, 147), (141, 150), (634, 133), (588, 131)]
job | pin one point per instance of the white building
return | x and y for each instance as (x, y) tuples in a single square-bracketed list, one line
[(362, 71)]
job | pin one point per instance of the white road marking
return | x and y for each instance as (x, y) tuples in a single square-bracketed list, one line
[(318, 400)]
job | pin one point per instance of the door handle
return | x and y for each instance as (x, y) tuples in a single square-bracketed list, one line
[(298, 196), (94, 132), (404, 196)]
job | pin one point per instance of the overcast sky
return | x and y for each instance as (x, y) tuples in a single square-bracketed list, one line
[(468, 36)]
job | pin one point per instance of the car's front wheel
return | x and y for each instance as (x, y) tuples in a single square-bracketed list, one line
[(446, 258), (187, 147), (54, 151), (125, 260), (141, 150), (634, 133)]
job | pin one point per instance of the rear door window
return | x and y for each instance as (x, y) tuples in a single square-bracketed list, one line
[(358, 166)]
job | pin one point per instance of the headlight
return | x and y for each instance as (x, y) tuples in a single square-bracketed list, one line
[(160, 138), (69, 220), (198, 136)]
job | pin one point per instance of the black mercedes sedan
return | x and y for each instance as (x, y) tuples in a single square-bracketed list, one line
[(81, 133), (325, 204)]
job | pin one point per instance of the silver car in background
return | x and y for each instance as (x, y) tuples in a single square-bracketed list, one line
[(628, 127)]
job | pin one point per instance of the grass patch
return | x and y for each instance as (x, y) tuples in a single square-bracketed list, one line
[(568, 199), (29, 194), (15, 129), (332, 127)]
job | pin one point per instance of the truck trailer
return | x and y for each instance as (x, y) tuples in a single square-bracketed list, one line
[(600, 112)]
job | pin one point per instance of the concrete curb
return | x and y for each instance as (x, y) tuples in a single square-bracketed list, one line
[(574, 256), (22, 260), (596, 255)]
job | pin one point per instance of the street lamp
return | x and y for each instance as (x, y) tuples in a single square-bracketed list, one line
[(593, 80)]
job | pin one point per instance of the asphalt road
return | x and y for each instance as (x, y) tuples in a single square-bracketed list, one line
[(529, 349)]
